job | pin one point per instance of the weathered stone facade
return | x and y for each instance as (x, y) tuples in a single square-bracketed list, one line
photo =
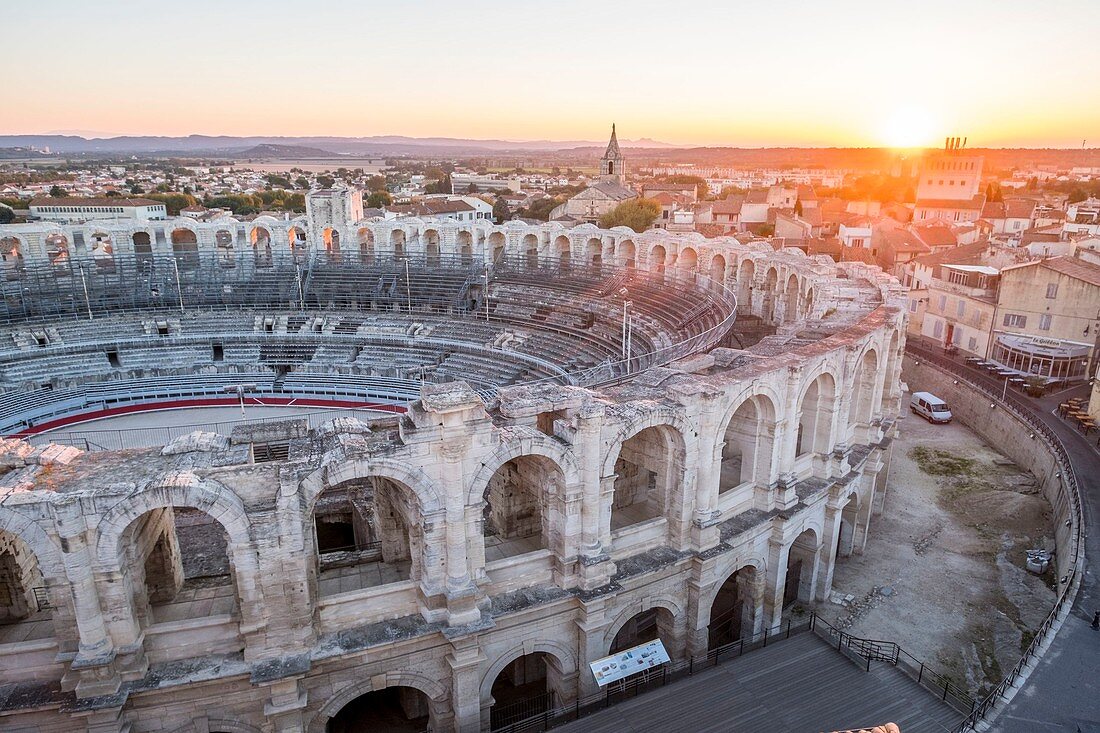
[(692, 501)]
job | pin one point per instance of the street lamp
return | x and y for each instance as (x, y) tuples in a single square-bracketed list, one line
[(485, 274), (628, 331), (408, 288)]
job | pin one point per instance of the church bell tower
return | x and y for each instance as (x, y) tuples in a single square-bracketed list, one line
[(612, 165)]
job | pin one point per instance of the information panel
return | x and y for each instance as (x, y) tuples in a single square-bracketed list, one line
[(633, 660)]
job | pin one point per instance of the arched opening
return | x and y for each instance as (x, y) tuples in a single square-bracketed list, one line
[(180, 567), (737, 608), (746, 455), (331, 239), (528, 686), (397, 242), (648, 468), (103, 251), (389, 710), (185, 248), (24, 604), (790, 298), (431, 247), (861, 407), (465, 247), (223, 245), (11, 253), (496, 246), (299, 244), (367, 533), (771, 284), (688, 260), (143, 250), (261, 247), (808, 304), (657, 258), (366, 246), (593, 252), (718, 269), (57, 250), (562, 251), (744, 286), (802, 561), (815, 417), (649, 625), (628, 253), (531, 251), (517, 512)]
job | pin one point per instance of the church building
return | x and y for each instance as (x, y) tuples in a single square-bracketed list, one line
[(605, 194)]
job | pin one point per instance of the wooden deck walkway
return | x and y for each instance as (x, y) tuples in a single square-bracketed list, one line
[(799, 685)]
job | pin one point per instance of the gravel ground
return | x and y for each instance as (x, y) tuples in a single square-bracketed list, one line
[(943, 571)]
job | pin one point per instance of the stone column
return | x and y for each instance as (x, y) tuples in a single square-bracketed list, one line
[(775, 585), (285, 703), (828, 551), (592, 627), (698, 614), (587, 445), (460, 590), (708, 474), (465, 661), (92, 672)]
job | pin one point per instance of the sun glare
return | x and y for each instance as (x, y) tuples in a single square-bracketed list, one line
[(908, 127)]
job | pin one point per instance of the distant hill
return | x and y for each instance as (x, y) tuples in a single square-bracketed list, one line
[(271, 150)]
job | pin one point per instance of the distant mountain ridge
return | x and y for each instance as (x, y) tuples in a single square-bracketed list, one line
[(230, 146)]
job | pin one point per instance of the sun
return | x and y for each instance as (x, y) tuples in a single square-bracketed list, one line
[(908, 127)]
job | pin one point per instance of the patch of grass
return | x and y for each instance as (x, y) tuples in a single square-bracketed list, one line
[(936, 462)]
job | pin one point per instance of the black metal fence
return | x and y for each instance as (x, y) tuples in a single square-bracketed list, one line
[(1070, 580)]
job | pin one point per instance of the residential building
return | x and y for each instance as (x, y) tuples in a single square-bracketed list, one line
[(948, 185), (1048, 316)]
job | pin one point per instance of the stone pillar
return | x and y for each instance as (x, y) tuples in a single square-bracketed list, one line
[(592, 626), (465, 661), (285, 703), (460, 590), (751, 589), (433, 578), (828, 552), (92, 671), (698, 614), (587, 445), (775, 584), (705, 532), (104, 720)]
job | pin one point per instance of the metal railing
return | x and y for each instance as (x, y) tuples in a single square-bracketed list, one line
[(1070, 581), (863, 650)]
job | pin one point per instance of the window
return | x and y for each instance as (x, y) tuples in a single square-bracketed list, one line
[(1052, 290), (972, 344), (937, 330), (912, 306), (1044, 322), (1015, 320), (961, 311), (943, 303)]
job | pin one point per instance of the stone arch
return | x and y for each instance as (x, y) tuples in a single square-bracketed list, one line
[(223, 246), (628, 253), (803, 561), (734, 606), (562, 251), (790, 298), (416, 481), (664, 417), (638, 607), (736, 563), (748, 434), (431, 247), (771, 287), (891, 377), (531, 250), (657, 256), (648, 467), (183, 489), (688, 259), (497, 242), (718, 269), (593, 252), (745, 275), (397, 243), (865, 377), (563, 654), (45, 550), (816, 406), (297, 242), (435, 691), (365, 235), (542, 446), (465, 247), (58, 250), (330, 238)]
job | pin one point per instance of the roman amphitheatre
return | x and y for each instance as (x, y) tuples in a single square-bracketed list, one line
[(554, 444)]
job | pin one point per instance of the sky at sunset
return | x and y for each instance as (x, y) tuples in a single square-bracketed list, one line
[(850, 73)]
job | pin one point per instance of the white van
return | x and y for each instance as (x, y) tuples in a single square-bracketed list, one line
[(930, 407)]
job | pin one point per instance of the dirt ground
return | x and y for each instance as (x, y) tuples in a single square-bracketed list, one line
[(943, 571)]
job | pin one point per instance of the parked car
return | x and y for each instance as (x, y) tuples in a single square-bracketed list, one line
[(930, 407)]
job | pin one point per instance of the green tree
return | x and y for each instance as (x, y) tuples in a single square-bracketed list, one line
[(136, 189), (58, 192), (6, 215), (279, 181), (376, 183), (173, 202), (798, 207), (540, 208), (701, 187), (301, 182), (441, 186), (325, 181), (379, 199), (638, 214), (501, 212)]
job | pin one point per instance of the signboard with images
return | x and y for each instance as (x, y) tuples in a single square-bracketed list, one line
[(632, 661)]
